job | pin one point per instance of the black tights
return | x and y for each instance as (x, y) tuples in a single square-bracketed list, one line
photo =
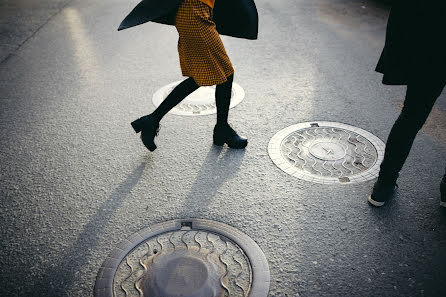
[(181, 91), (223, 100), (188, 86), (420, 98)]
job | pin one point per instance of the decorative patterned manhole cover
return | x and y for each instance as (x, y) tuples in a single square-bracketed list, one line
[(188, 258), (200, 102), (327, 152)]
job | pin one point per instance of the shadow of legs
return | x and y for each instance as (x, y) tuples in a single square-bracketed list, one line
[(58, 278), (220, 165)]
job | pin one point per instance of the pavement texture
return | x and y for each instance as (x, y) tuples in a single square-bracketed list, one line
[(76, 180), (21, 19)]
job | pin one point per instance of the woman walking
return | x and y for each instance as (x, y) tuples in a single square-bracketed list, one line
[(203, 59)]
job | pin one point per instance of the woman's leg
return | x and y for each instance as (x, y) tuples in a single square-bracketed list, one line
[(223, 94), (223, 133), (420, 98), (181, 91), (149, 124)]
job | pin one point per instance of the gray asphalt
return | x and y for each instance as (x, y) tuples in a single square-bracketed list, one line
[(76, 180)]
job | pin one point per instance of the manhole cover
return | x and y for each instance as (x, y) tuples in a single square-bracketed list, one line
[(327, 152), (200, 102), (185, 258)]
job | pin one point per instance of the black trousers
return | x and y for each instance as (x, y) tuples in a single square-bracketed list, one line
[(420, 98)]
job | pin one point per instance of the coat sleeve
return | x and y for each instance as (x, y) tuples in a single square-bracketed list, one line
[(162, 11), (236, 18)]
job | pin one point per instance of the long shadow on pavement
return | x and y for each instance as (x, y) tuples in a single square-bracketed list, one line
[(58, 279), (220, 165)]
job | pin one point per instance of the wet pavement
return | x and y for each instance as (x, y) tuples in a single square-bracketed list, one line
[(76, 180)]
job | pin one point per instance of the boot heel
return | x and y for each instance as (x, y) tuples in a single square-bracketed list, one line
[(227, 135), (218, 142), (137, 125)]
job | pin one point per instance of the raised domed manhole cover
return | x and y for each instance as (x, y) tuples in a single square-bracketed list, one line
[(187, 258), (327, 152), (200, 102)]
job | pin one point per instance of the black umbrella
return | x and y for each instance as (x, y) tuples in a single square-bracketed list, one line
[(236, 18)]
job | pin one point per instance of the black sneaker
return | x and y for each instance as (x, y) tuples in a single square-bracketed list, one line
[(225, 134), (149, 128), (443, 193), (382, 192)]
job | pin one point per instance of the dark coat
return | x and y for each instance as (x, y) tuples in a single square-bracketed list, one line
[(236, 18), (415, 48)]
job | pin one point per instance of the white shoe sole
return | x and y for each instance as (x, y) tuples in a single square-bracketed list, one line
[(443, 204), (376, 203)]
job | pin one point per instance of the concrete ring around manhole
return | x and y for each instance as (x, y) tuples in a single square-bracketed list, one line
[(190, 257), (327, 152), (200, 102)]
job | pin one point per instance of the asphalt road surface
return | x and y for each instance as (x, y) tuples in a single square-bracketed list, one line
[(76, 180)]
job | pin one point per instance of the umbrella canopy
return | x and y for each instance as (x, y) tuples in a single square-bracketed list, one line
[(236, 18)]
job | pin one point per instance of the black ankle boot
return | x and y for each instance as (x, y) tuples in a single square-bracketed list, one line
[(225, 134), (149, 128)]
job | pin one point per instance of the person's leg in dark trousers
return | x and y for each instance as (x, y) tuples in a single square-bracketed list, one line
[(418, 104), (149, 125), (223, 133), (420, 98), (443, 190)]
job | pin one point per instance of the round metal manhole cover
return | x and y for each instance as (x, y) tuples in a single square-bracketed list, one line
[(327, 152), (188, 258), (200, 102)]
